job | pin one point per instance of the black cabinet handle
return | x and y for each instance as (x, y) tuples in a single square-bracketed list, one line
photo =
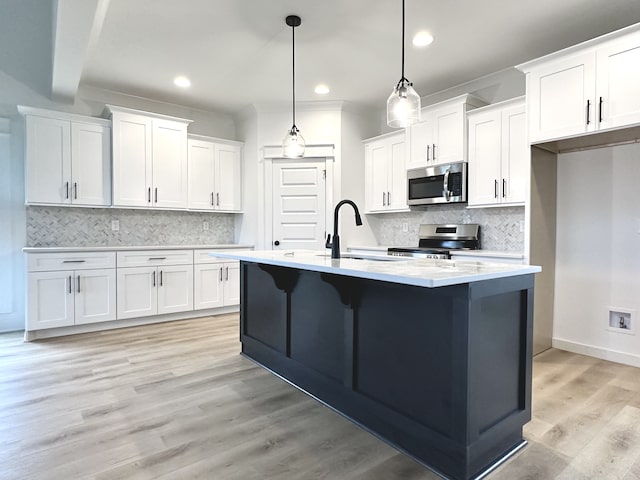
[(495, 188), (428, 147), (227, 276), (67, 190), (157, 258), (588, 109), (69, 283), (220, 273), (217, 199), (600, 111), (504, 188), (75, 190), (388, 198), (73, 261), (154, 278), (78, 283), (434, 151), (384, 199), (156, 195), (212, 199), (160, 277), (149, 195)]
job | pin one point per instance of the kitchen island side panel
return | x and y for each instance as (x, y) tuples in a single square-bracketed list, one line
[(396, 359)]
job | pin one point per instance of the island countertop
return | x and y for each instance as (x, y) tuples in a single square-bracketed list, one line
[(422, 272)]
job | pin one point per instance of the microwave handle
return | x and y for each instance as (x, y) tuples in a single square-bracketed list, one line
[(445, 186)]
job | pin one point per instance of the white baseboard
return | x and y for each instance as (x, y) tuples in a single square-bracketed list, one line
[(130, 322), (597, 352)]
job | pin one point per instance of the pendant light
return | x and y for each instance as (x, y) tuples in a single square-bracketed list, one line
[(293, 143), (403, 105)]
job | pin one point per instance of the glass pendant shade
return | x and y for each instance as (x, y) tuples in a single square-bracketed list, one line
[(403, 105), (293, 144)]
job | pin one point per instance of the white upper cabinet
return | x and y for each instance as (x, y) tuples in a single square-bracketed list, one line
[(441, 136), (215, 174), (385, 173), (498, 154), (67, 159), (149, 159), (588, 88)]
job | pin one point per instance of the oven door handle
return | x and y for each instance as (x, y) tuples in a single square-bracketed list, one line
[(445, 186)]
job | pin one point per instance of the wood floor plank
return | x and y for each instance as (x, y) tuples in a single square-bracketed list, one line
[(177, 401)]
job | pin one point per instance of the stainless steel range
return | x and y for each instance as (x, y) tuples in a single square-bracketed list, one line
[(437, 241)]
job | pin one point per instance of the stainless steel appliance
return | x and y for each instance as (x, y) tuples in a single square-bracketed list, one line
[(437, 240), (445, 183)]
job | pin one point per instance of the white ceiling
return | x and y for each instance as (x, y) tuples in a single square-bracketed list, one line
[(238, 52)]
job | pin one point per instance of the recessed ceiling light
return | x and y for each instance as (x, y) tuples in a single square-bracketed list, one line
[(422, 39), (321, 89), (181, 81)]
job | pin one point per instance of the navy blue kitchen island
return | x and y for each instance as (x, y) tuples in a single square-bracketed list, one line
[(435, 360)]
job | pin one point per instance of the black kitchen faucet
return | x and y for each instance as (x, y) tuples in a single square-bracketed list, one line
[(335, 245)]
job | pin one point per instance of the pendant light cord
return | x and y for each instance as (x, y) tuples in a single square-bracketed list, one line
[(402, 41), (293, 73)]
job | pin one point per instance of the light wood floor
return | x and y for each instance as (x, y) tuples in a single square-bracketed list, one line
[(177, 401)]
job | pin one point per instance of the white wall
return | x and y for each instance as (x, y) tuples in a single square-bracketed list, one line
[(598, 251)]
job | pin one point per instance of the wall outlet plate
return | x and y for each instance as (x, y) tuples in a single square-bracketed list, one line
[(115, 225), (621, 320), (205, 226)]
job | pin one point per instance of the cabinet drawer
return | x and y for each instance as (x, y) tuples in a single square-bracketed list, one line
[(49, 262), (203, 256), (148, 258)]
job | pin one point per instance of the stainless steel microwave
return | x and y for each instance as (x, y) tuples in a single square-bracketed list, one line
[(446, 183)]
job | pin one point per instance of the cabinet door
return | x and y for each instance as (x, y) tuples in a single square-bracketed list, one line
[(561, 98), (131, 160), (137, 292), (48, 160), (95, 299), (50, 300), (175, 288), (618, 82), (232, 283), (228, 177), (169, 164), (376, 156), (420, 142), (201, 160), (397, 176), (484, 158), (515, 155), (90, 164), (208, 285), (448, 134)]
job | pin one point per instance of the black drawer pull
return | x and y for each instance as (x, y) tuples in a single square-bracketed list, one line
[(73, 261)]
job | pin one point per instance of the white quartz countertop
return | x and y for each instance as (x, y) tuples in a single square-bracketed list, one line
[(422, 272), (133, 247)]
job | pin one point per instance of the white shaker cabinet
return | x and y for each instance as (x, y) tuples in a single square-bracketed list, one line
[(385, 173), (154, 282), (149, 159), (64, 290), (498, 154), (216, 281), (588, 88), (441, 136), (67, 159), (215, 174)]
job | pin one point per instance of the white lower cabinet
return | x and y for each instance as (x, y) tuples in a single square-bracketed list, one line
[(216, 284), (151, 287), (59, 297)]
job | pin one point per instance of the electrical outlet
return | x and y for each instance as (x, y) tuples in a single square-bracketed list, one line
[(115, 225), (205, 226), (621, 320), (405, 227), (521, 226)]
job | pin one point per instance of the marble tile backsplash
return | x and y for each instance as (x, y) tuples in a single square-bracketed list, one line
[(499, 226), (90, 227)]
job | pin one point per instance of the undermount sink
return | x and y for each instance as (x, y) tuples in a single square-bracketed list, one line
[(352, 256)]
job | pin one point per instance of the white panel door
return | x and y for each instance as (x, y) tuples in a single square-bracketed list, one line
[(175, 288), (485, 152), (618, 82), (48, 160), (208, 285), (448, 134), (232, 283), (561, 98), (90, 164), (95, 299), (137, 292), (131, 160), (169, 164), (516, 155), (228, 177), (299, 205), (201, 160), (50, 300)]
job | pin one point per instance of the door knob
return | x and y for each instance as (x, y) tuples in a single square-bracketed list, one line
[(276, 243)]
